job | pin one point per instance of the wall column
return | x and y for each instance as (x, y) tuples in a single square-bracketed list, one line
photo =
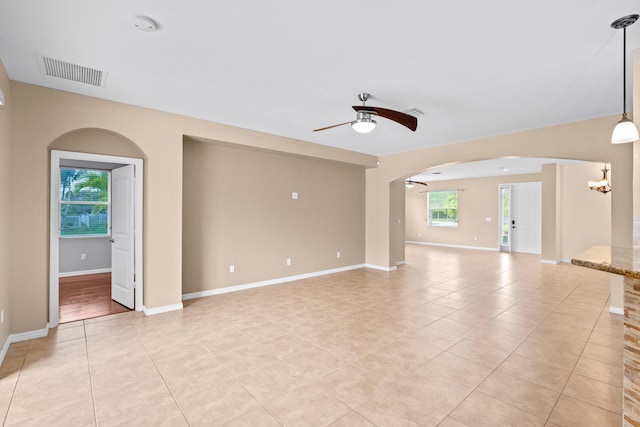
[(551, 214), (378, 208)]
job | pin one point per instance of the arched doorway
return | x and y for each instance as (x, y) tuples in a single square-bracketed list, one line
[(113, 236)]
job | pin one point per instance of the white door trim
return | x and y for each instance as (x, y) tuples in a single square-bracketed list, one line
[(54, 255)]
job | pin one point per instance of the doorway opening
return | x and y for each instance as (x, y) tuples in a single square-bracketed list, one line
[(115, 224)]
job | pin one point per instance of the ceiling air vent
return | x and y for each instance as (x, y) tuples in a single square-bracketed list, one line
[(74, 72)]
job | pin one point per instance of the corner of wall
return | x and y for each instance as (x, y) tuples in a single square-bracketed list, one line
[(5, 210)]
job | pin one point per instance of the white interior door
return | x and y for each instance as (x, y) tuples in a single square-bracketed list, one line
[(122, 236), (526, 217)]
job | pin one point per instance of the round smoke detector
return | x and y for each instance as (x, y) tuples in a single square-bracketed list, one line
[(144, 23)]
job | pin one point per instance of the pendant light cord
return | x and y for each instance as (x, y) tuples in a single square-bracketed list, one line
[(624, 71)]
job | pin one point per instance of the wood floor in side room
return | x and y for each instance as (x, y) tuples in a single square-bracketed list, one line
[(85, 297)]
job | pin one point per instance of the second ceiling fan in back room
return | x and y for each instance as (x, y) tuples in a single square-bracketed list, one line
[(364, 123)]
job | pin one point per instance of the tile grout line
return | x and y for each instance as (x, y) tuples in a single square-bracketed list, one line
[(13, 392), (235, 377), (524, 340), (478, 386), (576, 364), (93, 395), (164, 381), (511, 353)]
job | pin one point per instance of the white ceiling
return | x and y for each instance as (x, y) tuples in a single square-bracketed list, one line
[(487, 168), (284, 67)]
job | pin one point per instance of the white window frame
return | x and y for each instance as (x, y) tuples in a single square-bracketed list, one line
[(79, 202), (443, 224)]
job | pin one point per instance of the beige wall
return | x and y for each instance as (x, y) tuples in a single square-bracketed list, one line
[(40, 116), (477, 201), (586, 214), (5, 203), (587, 140), (238, 209)]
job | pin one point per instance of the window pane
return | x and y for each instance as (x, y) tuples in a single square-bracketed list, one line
[(84, 185), (84, 202), (83, 219), (505, 215), (443, 208)]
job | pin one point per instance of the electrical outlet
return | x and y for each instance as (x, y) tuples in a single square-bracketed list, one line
[(337, 254), (232, 268), (288, 261), (475, 238), (294, 195), (2, 316), (83, 257)]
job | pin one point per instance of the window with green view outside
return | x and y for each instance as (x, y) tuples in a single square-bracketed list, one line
[(443, 208), (84, 202)]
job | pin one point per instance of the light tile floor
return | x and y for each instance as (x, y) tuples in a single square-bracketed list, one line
[(453, 338)]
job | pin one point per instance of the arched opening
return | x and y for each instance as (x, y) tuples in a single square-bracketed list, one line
[(495, 206), (96, 226)]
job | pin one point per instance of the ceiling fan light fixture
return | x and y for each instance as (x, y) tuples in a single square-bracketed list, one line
[(364, 123), (625, 131), (410, 183)]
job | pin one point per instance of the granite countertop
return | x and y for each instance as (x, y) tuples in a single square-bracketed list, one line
[(623, 261)]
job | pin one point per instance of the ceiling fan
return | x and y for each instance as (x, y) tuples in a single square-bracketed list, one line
[(410, 183), (365, 124)]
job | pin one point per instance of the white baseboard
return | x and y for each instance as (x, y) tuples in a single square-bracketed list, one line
[(381, 267), (84, 272), (555, 261), (616, 310), (23, 336), (30, 335), (162, 309), (403, 262), (245, 286), (479, 248)]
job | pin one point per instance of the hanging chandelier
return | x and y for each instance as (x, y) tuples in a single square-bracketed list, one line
[(602, 185)]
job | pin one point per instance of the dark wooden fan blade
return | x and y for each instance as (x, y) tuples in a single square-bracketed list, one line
[(397, 116), (333, 126)]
